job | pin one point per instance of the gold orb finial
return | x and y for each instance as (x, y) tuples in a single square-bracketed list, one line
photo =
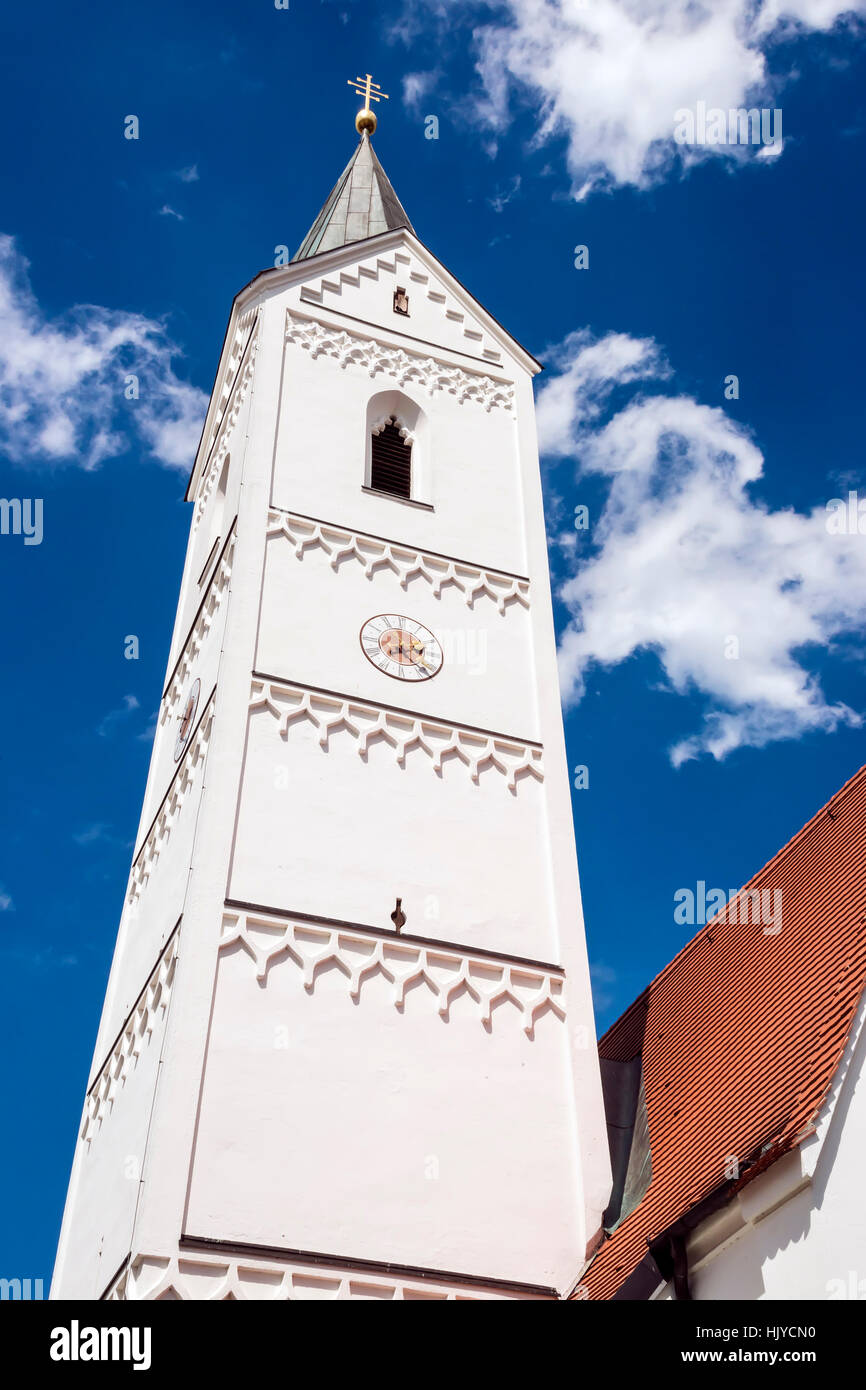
[(365, 121)]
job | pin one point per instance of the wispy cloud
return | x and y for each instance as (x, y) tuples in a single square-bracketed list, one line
[(6, 903), (738, 601), (99, 833), (40, 958), (504, 194), (148, 732), (417, 87), (110, 721), (166, 211), (188, 175), (63, 382)]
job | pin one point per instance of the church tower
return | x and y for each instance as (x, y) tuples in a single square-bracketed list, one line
[(347, 1046)]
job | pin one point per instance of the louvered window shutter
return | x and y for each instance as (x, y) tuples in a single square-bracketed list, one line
[(392, 462)]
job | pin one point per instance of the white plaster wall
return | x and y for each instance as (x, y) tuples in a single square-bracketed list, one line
[(439, 315), (328, 833), (106, 1181), (311, 620), (147, 924), (356, 1129), (802, 1239), (474, 475)]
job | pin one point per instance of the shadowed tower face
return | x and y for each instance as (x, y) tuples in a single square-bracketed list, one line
[(347, 1047)]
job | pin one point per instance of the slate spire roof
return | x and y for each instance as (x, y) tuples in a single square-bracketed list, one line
[(361, 204)]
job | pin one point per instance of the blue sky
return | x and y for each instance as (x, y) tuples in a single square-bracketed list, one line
[(707, 515)]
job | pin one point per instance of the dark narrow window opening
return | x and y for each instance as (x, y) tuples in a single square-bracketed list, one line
[(391, 469)]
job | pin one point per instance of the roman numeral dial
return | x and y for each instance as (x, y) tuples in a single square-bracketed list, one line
[(401, 647)]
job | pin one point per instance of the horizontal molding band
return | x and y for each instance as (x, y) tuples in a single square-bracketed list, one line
[(396, 709), (375, 356), (401, 545), (123, 1027), (435, 942), (228, 410), (395, 333), (328, 1261), (198, 611), (190, 743)]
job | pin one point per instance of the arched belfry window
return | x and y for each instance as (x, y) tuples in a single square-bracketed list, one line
[(391, 460), (397, 458)]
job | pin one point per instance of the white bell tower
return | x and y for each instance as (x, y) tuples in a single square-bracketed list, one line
[(347, 1047)]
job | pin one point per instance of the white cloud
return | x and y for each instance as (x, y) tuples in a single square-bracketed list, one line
[(166, 211), (63, 381), (504, 194), (6, 903), (417, 86), (110, 721), (735, 599), (148, 733), (609, 75), (189, 175)]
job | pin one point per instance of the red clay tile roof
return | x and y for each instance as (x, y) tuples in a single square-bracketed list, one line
[(742, 1032)]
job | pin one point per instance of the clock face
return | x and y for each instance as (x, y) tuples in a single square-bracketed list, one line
[(186, 719), (401, 647)]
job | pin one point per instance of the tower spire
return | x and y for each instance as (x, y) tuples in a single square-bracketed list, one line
[(362, 202)]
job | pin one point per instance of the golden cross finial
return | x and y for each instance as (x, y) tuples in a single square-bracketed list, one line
[(370, 91)]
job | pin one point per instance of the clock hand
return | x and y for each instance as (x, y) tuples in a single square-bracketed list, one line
[(418, 660)]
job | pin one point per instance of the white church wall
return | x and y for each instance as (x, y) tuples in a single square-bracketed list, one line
[(110, 1146), (347, 1125), (156, 890), (799, 1231), (327, 832), (488, 863), (440, 314), (312, 617), (157, 887), (217, 495), (473, 476)]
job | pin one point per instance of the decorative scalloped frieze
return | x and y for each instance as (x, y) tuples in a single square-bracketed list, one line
[(208, 1278), (321, 339), (421, 282), (171, 808), (234, 393), (448, 973), (303, 534), (403, 732), (216, 590), (148, 1012)]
